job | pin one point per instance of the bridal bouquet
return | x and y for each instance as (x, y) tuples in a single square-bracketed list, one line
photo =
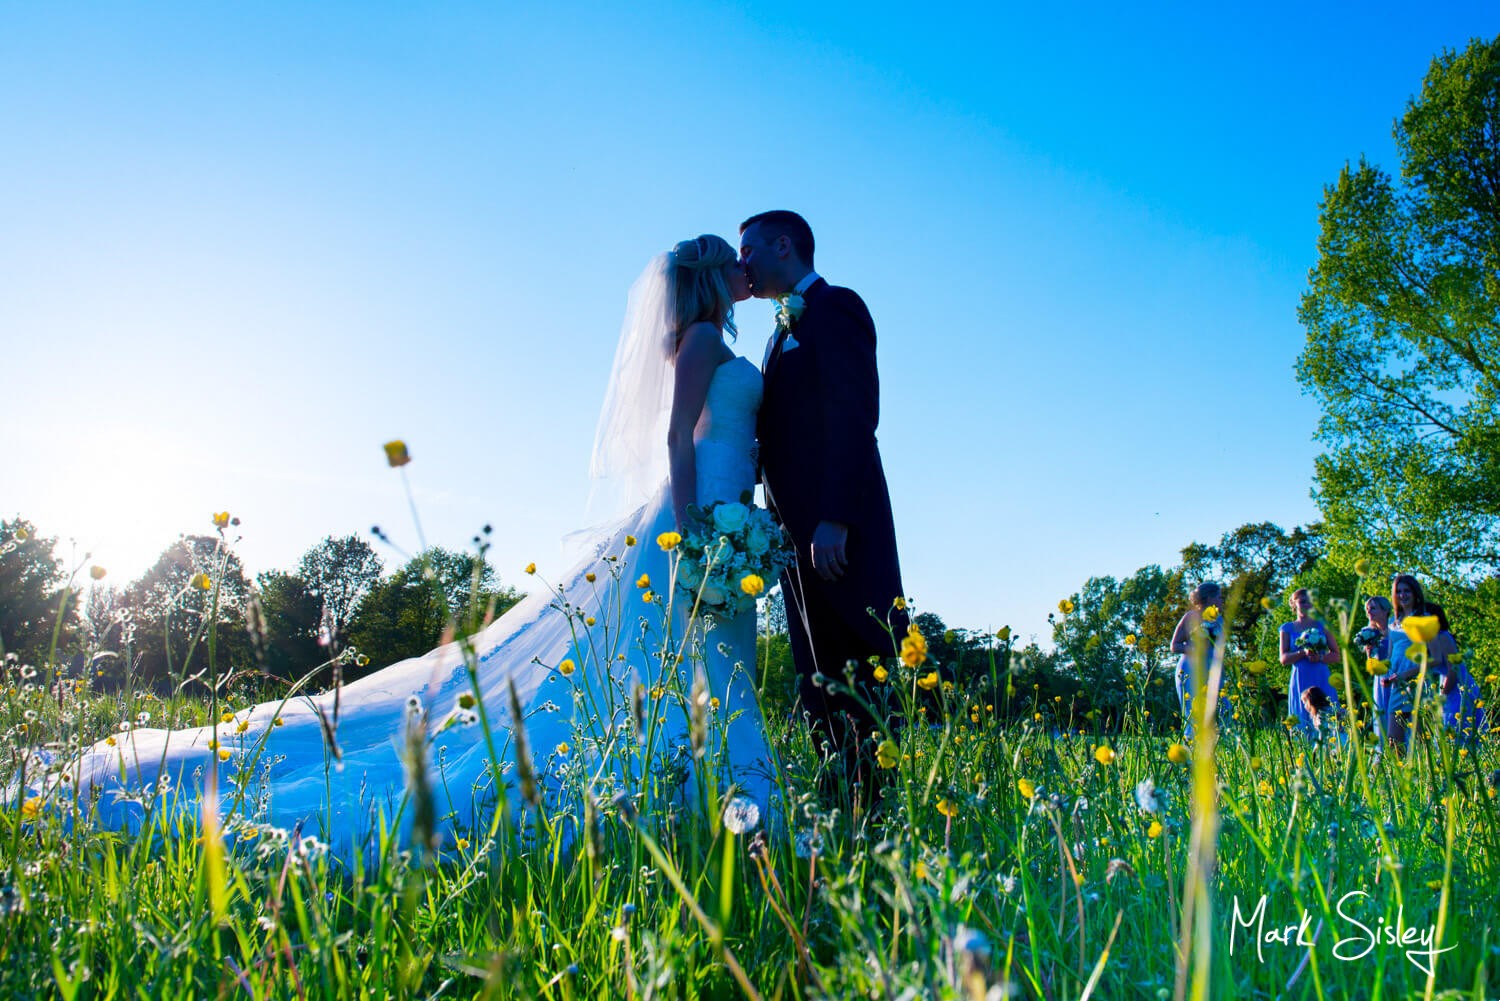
[(728, 553)]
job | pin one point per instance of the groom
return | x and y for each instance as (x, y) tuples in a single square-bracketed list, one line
[(821, 471)]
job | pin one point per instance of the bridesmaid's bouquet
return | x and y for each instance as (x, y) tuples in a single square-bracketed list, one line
[(1211, 624), (731, 549), (1369, 639), (1313, 641)]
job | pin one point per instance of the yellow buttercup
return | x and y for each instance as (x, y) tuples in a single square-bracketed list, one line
[(1420, 628)]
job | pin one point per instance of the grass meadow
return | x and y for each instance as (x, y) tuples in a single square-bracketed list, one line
[(1041, 859)]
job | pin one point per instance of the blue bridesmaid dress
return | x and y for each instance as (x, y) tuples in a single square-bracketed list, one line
[(1308, 674)]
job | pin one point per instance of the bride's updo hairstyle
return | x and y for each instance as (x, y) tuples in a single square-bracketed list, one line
[(697, 289)]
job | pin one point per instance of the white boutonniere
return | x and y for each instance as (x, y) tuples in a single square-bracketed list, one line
[(789, 309)]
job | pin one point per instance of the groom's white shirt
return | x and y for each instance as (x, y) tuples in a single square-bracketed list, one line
[(798, 289)]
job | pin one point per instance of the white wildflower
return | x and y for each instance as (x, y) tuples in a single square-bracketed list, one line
[(1145, 795), (310, 848), (971, 940), (741, 814)]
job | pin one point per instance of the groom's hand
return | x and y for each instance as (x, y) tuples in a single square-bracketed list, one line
[(828, 556)]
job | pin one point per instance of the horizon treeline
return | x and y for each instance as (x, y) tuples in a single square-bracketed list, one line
[(1110, 638), (338, 599)]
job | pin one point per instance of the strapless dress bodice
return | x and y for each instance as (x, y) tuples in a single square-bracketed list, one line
[(725, 436)]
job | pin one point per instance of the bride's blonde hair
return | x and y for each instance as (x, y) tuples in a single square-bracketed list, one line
[(698, 290)]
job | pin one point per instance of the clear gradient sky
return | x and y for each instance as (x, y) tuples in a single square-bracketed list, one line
[(243, 245)]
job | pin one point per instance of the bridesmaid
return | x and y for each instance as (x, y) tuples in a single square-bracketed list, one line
[(1406, 599), (1462, 716), (1378, 611), (1310, 696), (1203, 620)]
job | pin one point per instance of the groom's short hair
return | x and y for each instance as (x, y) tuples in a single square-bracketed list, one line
[(780, 222)]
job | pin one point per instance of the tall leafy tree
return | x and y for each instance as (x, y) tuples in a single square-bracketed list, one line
[(773, 618), (406, 614), (102, 631), (31, 582), (286, 627), (1402, 315), (1152, 601), (339, 572), (1254, 561), (172, 614), (964, 655), (1106, 613), (1475, 613)]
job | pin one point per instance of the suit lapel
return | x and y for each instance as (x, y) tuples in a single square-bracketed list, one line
[(814, 291), (773, 346)]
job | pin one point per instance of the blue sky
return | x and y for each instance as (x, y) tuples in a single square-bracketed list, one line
[(243, 246)]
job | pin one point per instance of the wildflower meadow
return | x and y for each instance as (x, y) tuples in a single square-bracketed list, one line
[(1039, 820), (1010, 848)]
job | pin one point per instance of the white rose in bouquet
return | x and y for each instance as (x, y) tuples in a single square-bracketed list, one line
[(690, 573), (713, 594), (731, 517), (757, 540)]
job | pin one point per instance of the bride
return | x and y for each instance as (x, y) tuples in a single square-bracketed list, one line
[(595, 686)]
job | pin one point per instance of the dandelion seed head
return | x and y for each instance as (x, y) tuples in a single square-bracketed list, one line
[(741, 814), (1145, 795)]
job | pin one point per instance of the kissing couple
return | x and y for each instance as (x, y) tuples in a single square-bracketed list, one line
[(613, 648)]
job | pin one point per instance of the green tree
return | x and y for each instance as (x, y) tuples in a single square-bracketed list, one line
[(1153, 600), (102, 625), (1474, 612), (773, 619), (286, 627), (1254, 561), (406, 614), (1402, 315), (1092, 638), (1036, 680), (777, 673), (961, 655), (170, 613), (340, 572), (31, 583)]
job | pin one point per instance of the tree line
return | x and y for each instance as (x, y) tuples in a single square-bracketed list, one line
[(1109, 650), (283, 623)]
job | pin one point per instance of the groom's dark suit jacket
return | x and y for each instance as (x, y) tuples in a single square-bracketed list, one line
[(820, 462)]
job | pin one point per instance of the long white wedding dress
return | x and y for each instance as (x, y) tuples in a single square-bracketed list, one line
[(618, 721)]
